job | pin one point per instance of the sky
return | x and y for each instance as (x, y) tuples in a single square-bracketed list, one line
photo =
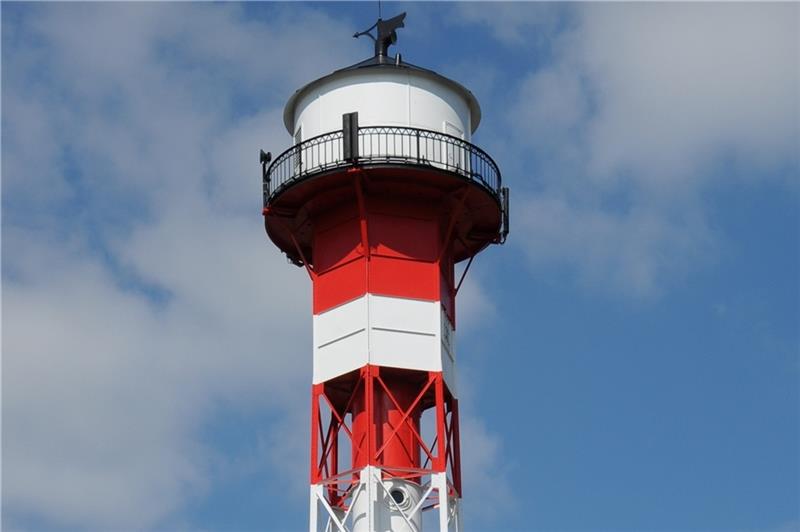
[(628, 360)]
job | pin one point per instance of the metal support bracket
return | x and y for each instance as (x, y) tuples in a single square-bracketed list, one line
[(311, 273), (362, 211), (456, 212)]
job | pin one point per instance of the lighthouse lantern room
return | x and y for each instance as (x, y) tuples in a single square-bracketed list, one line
[(380, 196)]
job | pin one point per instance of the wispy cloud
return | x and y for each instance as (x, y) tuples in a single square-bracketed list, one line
[(635, 117), (511, 23)]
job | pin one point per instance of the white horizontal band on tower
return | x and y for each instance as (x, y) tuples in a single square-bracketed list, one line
[(384, 331)]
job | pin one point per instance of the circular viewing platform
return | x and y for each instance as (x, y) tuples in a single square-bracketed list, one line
[(406, 157)]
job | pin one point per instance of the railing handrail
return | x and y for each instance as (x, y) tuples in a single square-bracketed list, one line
[(467, 144), (289, 166)]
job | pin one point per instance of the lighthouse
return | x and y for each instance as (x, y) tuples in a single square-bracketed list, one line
[(380, 196)]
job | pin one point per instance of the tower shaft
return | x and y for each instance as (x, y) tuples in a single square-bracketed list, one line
[(384, 407)]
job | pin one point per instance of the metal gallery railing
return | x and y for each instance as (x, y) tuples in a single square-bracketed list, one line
[(378, 145)]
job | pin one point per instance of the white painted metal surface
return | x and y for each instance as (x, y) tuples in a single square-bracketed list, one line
[(391, 512), (372, 508), (382, 97), (385, 331), (341, 340)]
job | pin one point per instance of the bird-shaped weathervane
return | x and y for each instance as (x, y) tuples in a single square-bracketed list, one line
[(387, 35)]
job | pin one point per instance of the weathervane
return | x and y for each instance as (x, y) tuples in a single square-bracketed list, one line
[(387, 35)]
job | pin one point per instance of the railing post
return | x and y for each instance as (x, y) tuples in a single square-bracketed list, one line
[(350, 136), (419, 159), (264, 158)]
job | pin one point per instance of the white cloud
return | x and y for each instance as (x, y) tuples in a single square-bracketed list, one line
[(488, 492), (632, 121), (512, 23), (105, 390), (93, 435), (678, 85), (121, 183), (632, 251), (474, 306)]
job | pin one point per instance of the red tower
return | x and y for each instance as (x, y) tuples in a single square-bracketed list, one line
[(379, 198)]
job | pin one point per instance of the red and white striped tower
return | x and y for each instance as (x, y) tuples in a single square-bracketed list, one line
[(380, 196)]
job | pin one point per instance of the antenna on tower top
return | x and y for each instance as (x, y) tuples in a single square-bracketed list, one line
[(387, 34)]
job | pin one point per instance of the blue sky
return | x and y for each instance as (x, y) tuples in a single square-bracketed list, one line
[(629, 360)]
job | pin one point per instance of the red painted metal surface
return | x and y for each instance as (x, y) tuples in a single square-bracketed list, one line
[(373, 417), (367, 248), (301, 212)]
